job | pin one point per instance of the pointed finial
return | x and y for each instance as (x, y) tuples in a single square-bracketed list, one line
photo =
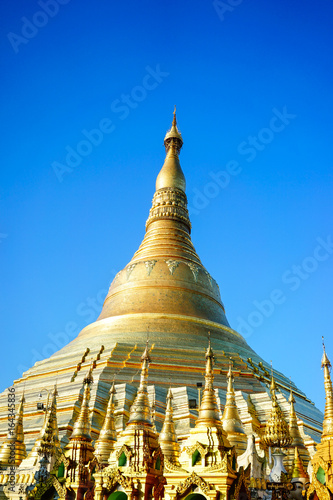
[(174, 121), (328, 415), (325, 361)]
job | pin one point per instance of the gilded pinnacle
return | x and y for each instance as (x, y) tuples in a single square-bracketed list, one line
[(208, 411), (168, 438), (277, 431), (140, 412), (81, 430), (108, 435), (293, 425), (231, 421), (171, 174), (328, 415), (298, 468)]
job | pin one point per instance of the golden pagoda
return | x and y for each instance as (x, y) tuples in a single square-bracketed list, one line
[(104, 441)]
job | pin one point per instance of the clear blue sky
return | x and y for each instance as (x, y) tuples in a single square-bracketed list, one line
[(252, 81)]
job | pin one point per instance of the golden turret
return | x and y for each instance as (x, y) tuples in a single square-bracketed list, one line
[(298, 471), (328, 415), (81, 429), (108, 435), (293, 426), (231, 421), (277, 431), (48, 440), (168, 439), (208, 411), (140, 412), (13, 449)]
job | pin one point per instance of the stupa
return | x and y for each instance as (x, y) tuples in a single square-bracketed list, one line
[(166, 291)]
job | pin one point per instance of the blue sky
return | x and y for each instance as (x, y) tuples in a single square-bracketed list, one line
[(88, 90)]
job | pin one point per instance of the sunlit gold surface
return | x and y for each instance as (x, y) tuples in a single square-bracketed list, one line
[(166, 290), (167, 438), (231, 421), (108, 435), (276, 431)]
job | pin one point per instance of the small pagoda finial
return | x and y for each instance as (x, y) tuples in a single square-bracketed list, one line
[(81, 429), (174, 121), (108, 436), (140, 411), (277, 430), (168, 437), (328, 415)]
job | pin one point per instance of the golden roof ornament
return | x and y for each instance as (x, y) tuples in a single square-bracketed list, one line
[(277, 432), (168, 437), (173, 137), (171, 174), (140, 412), (328, 415), (14, 440), (208, 411), (298, 471), (48, 439), (293, 425), (231, 421), (104, 445), (81, 429)]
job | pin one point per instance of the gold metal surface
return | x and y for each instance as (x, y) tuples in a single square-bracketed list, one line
[(107, 437), (328, 415), (231, 420), (298, 467), (81, 429), (276, 431), (167, 438)]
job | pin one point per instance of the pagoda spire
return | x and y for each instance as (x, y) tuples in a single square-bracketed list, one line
[(81, 429), (168, 437), (231, 421), (108, 436), (298, 471), (140, 411), (277, 431), (208, 411), (48, 439), (14, 441), (293, 426), (328, 415)]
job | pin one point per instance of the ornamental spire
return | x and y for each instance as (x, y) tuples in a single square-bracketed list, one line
[(298, 471), (328, 415), (168, 437), (208, 411), (15, 439), (231, 421), (293, 426), (140, 411), (171, 174), (108, 436), (81, 429), (276, 432), (48, 439)]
